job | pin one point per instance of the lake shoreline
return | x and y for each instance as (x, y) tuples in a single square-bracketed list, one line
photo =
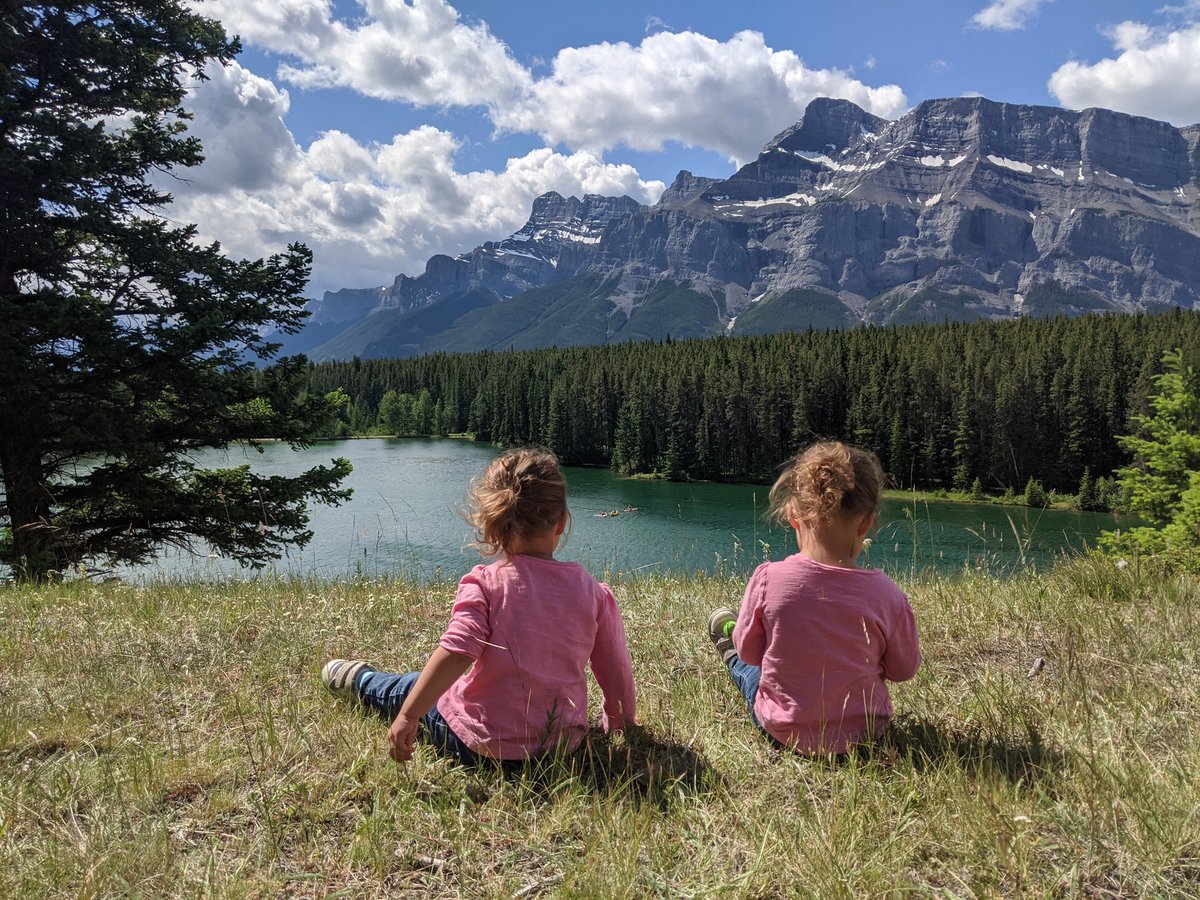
[(940, 495), (403, 519)]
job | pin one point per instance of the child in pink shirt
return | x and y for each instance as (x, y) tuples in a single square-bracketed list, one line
[(507, 680), (817, 637)]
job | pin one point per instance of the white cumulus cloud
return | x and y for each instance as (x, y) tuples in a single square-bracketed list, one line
[(668, 88), (728, 96), (418, 52), (368, 211), (1155, 73), (1006, 15), (373, 210), (241, 118)]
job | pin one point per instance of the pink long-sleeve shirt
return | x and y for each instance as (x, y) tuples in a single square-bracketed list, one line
[(826, 638), (532, 625)]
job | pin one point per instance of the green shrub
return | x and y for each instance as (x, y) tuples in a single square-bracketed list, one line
[(1035, 494)]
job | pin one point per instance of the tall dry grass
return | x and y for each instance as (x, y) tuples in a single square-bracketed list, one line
[(173, 740)]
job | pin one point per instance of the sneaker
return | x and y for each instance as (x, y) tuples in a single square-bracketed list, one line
[(720, 630), (341, 676)]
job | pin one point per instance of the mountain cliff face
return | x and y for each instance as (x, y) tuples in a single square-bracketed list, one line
[(962, 209)]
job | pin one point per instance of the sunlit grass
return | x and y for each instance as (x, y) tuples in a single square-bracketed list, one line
[(174, 740)]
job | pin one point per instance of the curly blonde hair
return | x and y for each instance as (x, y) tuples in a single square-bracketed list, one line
[(828, 479), (520, 493)]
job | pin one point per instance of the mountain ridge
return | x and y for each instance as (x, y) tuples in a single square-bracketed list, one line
[(849, 218)]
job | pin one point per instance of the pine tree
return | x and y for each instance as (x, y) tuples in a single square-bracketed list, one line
[(1088, 499), (557, 434), (127, 344), (1166, 451), (627, 444), (1163, 482), (962, 443)]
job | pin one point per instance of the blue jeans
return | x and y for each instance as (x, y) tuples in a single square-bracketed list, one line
[(746, 677), (385, 692)]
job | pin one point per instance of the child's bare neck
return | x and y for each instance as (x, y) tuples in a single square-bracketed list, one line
[(837, 542), (541, 545)]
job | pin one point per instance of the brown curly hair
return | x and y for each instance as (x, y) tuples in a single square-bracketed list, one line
[(829, 478), (520, 493)]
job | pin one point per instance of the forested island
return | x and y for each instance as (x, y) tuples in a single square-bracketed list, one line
[(989, 405)]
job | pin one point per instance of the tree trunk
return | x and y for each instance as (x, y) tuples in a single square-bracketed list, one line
[(28, 502), (26, 496)]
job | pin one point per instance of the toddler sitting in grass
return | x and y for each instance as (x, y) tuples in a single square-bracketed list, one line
[(818, 637), (507, 680)]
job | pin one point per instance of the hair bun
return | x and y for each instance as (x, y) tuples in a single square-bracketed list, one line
[(507, 485), (827, 479)]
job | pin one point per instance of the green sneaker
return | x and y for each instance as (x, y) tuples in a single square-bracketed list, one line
[(341, 676), (720, 631)]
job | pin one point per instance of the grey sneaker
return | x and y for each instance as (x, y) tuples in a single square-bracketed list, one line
[(720, 630), (341, 676)]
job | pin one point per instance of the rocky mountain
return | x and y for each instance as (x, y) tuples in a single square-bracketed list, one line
[(962, 209)]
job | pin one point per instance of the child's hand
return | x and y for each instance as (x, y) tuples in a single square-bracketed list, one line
[(402, 738)]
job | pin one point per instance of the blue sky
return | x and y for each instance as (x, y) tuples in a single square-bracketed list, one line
[(382, 131), (923, 48)]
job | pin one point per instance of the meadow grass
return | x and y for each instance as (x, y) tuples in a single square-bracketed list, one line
[(174, 740)]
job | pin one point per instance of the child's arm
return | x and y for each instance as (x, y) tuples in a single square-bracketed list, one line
[(613, 667), (902, 655), (749, 635), (461, 643), (443, 669)]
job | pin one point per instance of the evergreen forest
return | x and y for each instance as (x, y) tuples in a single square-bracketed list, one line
[(991, 405)]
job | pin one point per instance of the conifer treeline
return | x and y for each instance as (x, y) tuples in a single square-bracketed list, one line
[(942, 405)]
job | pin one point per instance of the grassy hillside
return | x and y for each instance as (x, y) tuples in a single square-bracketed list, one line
[(574, 311), (398, 333), (1050, 299), (795, 310), (926, 305), (672, 309), (174, 741)]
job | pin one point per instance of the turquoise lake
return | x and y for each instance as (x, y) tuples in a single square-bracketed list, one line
[(404, 519)]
